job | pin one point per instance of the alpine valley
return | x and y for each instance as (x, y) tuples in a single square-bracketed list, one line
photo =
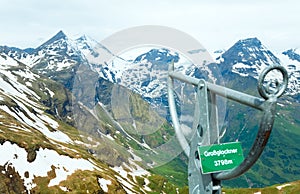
[(69, 123)]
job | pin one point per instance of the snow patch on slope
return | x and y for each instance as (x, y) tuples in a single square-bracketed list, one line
[(133, 170), (25, 98), (103, 184), (12, 154), (6, 61)]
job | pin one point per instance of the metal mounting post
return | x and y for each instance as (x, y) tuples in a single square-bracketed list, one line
[(206, 124)]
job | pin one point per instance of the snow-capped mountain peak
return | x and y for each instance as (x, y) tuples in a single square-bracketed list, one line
[(87, 45), (247, 57), (59, 53), (57, 37)]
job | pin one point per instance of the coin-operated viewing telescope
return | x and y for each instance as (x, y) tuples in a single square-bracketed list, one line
[(209, 161)]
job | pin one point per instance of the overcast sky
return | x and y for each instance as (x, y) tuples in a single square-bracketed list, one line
[(216, 24)]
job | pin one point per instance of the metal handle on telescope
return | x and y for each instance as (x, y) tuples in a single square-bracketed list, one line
[(266, 124), (266, 105)]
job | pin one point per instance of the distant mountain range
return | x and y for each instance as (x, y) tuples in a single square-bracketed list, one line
[(247, 57), (49, 109)]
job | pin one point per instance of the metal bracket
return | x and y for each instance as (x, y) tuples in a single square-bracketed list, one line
[(206, 124)]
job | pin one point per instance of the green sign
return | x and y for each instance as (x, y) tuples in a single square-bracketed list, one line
[(220, 157)]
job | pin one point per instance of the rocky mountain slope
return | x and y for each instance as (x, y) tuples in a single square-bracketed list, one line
[(41, 149)]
